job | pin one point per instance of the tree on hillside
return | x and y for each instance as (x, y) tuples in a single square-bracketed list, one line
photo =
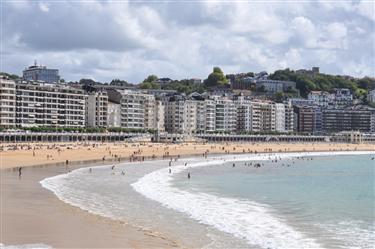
[(151, 78), (149, 85), (216, 78), (325, 82)]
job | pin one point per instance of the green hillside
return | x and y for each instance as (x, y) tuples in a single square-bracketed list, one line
[(325, 82)]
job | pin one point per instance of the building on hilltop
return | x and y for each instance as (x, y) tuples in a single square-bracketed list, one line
[(41, 73), (313, 72)]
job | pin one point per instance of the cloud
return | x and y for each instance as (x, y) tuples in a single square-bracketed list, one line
[(129, 40), (43, 7)]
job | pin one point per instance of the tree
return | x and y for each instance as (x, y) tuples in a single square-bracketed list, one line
[(216, 78), (151, 78), (149, 85)]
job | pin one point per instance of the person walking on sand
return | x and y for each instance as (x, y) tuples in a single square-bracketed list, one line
[(19, 172)]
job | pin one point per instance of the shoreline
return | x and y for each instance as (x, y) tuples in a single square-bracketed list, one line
[(32, 214), (14, 217), (79, 153)]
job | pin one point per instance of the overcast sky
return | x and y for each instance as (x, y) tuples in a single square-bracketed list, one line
[(103, 40)]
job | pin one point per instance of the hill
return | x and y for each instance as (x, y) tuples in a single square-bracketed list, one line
[(325, 82)]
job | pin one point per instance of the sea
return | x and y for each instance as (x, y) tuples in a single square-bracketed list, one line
[(279, 200)]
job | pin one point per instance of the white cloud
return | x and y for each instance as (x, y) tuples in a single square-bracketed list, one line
[(130, 40), (43, 7)]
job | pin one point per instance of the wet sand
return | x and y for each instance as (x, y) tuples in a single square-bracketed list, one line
[(31, 214)]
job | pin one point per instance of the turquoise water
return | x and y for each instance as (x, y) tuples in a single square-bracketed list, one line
[(304, 200), (330, 199)]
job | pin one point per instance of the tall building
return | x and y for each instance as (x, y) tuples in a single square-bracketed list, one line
[(114, 114), (138, 110), (244, 115), (41, 73), (174, 114), (159, 116), (280, 117), (371, 96), (305, 119), (97, 109), (53, 105), (225, 115), (263, 116), (289, 117), (7, 102)]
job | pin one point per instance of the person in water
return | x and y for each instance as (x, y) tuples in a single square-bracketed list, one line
[(189, 175)]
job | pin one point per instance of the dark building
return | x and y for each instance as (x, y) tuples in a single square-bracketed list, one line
[(308, 119), (41, 73), (336, 120)]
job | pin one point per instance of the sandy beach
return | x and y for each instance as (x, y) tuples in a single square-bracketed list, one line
[(31, 214), (17, 155)]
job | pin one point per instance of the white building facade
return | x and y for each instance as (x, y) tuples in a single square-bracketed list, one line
[(7, 103)]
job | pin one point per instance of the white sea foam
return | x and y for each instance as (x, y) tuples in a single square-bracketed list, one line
[(26, 246), (254, 222)]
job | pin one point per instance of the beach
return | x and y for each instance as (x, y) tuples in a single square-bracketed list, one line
[(29, 154), (31, 214)]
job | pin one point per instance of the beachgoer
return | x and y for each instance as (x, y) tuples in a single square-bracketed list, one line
[(170, 171), (19, 172), (189, 175)]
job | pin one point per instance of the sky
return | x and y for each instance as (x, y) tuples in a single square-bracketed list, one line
[(129, 40)]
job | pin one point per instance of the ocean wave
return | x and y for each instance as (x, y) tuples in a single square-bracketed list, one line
[(251, 221)]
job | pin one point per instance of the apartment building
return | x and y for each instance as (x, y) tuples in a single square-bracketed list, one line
[(244, 115), (289, 117), (97, 109), (280, 122), (174, 114), (138, 110), (114, 114), (7, 103), (42, 104), (225, 115), (308, 118), (335, 120), (263, 116), (159, 116)]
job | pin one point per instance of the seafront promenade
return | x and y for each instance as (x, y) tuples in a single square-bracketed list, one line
[(26, 137)]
